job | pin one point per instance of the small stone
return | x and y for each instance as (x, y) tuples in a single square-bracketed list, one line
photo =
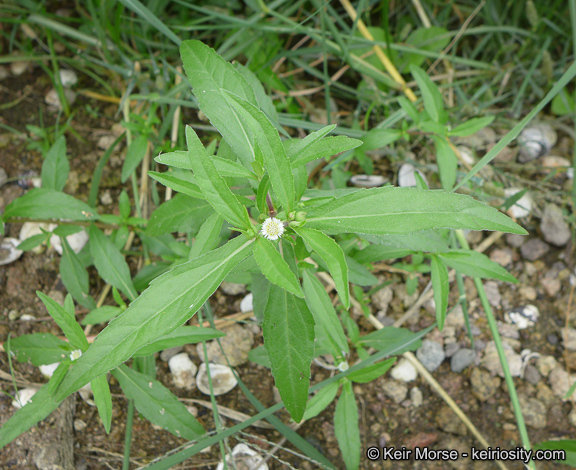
[(430, 354), (170, 352), (19, 67), (9, 251), (522, 207), (515, 240), (3, 75), (491, 360), (572, 417), (230, 288), (554, 228), (448, 421), (569, 338), (368, 181), (536, 140), (523, 317), (493, 293), (552, 338), (77, 241), (555, 161), (244, 458), (52, 98), (528, 292), (406, 176), (404, 371), (534, 412), (534, 249), (451, 348), (106, 198), (532, 375), (68, 78), (105, 141), (546, 364), (560, 382), (246, 304), (236, 345), (508, 331), (456, 318), (3, 176), (501, 256), (530, 268), (47, 370), (395, 390), (23, 396), (381, 299), (484, 385), (79, 425), (416, 397), (551, 286), (462, 359), (183, 371), (223, 379), (29, 229), (467, 154)]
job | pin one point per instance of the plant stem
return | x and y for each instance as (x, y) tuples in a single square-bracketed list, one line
[(128, 436)]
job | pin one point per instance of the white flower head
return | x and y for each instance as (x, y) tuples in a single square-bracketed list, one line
[(75, 354), (343, 366), (272, 228)]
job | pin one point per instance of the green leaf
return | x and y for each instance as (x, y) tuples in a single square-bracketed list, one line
[(264, 101), (110, 263), (180, 337), (171, 300), (409, 108), (103, 400), (321, 400), (378, 138), (40, 407), (177, 184), (157, 404), (208, 236), (476, 264), (304, 152), (370, 373), (567, 445), (447, 162), (471, 126), (275, 159), (333, 256), (213, 186), (39, 348), (346, 427), (433, 39), (58, 375), (325, 317), (563, 103), (228, 168), (210, 75), (259, 356), (124, 205), (56, 167), (275, 268), (180, 214), (101, 315), (433, 103), (66, 322), (134, 155), (34, 241), (405, 210), (358, 274), (41, 203), (390, 337), (441, 288), (430, 241), (75, 277), (288, 331)]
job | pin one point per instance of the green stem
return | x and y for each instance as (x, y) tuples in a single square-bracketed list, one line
[(128, 436), (501, 355)]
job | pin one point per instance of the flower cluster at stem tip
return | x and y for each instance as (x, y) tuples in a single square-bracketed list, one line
[(272, 228)]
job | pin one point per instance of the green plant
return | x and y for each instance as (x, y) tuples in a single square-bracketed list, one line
[(256, 188)]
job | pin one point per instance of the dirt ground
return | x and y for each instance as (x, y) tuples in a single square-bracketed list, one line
[(383, 422)]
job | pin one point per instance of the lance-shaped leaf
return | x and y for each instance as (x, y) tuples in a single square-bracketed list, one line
[(180, 214), (158, 404), (75, 277), (275, 159), (370, 373), (210, 75), (325, 316), (67, 323), (433, 103), (177, 184), (134, 155), (110, 263), (213, 186), (172, 299), (441, 288), (180, 337), (333, 256), (275, 268), (406, 210), (346, 427), (56, 167), (103, 400), (476, 264), (39, 348), (321, 400), (41, 405), (288, 331), (180, 159), (207, 238), (447, 162), (40, 203)]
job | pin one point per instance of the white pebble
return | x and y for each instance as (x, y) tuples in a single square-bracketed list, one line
[(404, 371), (23, 396), (183, 371), (68, 78), (223, 379), (522, 207), (244, 457), (246, 304), (77, 241), (47, 370)]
